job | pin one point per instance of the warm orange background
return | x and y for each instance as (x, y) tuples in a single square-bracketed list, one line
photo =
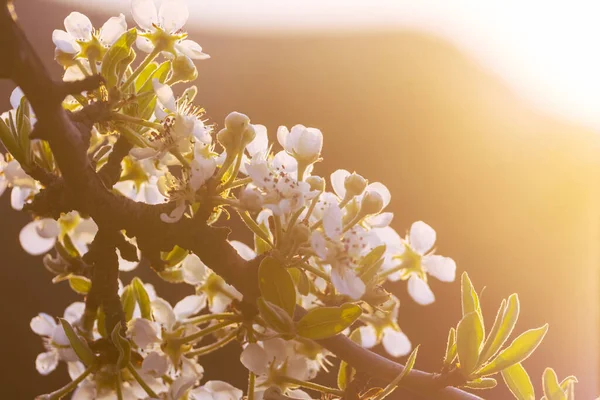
[(513, 194)]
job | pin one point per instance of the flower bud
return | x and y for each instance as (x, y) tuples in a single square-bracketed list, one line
[(303, 143), (227, 139), (355, 185), (183, 69), (300, 233), (248, 135), (251, 200), (237, 122), (316, 183), (372, 203)]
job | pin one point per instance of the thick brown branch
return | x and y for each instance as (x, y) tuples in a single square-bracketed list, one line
[(88, 194)]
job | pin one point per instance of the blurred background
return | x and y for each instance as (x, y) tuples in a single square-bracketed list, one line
[(482, 118)]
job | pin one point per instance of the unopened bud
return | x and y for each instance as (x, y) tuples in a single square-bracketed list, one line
[(300, 233), (183, 69), (248, 135), (227, 139), (316, 183), (237, 122), (355, 185), (372, 203), (251, 200)]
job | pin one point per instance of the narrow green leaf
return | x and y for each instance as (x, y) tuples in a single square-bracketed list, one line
[(450, 348), (301, 280), (142, 298), (119, 51), (518, 382), (410, 363), (569, 380), (373, 256), (122, 345), (481, 383), (9, 141), (469, 336), (275, 317), (345, 369), (506, 319), (143, 77), (101, 317), (175, 256), (519, 350), (323, 322), (128, 302), (147, 103), (172, 275), (470, 300), (552, 389), (79, 345), (276, 284), (80, 284), (24, 128)]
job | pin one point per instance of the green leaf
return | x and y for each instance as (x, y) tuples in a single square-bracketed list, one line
[(190, 93), (128, 302), (80, 284), (300, 280), (552, 389), (324, 322), (506, 319), (122, 345), (469, 336), (470, 300), (24, 128), (518, 382), (450, 348), (275, 317), (143, 77), (569, 380), (410, 363), (118, 52), (80, 347), (175, 256), (172, 275), (101, 317), (9, 141), (142, 298), (147, 103), (276, 284), (481, 383), (345, 369), (519, 350), (373, 256)]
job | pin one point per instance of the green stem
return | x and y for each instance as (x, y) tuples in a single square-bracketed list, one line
[(226, 164), (142, 383), (93, 66), (236, 170), (311, 208), (209, 317), (181, 158), (68, 388), (149, 58), (81, 67), (200, 334), (278, 230), (234, 184), (138, 121), (213, 346), (390, 271), (312, 386), (133, 137), (230, 202), (119, 388), (251, 385), (253, 226), (316, 271)]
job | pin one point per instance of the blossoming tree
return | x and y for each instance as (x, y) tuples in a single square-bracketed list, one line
[(117, 171)]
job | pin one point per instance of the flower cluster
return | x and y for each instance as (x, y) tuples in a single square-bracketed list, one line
[(326, 243)]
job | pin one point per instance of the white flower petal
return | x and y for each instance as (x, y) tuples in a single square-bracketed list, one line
[(332, 222), (422, 237), (282, 137), (395, 342), (143, 332), (380, 220), (155, 364), (443, 268), (79, 26), (46, 362), (172, 15), (260, 142), (188, 306), (347, 282), (48, 228), (142, 153), (144, 13), (113, 29), (74, 312), (337, 182), (419, 290), (219, 303), (181, 385), (368, 336), (163, 313), (255, 358), (144, 44), (194, 270), (276, 349), (32, 242), (18, 197), (380, 188), (85, 391), (15, 97), (191, 49), (318, 244), (164, 95), (43, 324), (75, 368), (243, 250)]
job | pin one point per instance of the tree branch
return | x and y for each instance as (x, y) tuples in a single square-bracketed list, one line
[(88, 193)]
